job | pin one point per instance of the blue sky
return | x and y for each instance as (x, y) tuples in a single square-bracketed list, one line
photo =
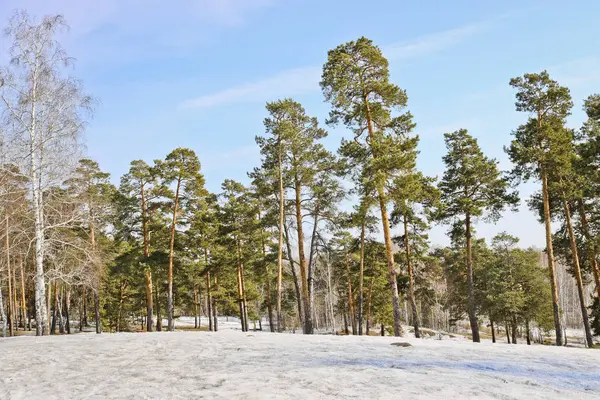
[(197, 73)]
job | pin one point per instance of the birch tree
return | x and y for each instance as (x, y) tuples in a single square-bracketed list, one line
[(43, 112)]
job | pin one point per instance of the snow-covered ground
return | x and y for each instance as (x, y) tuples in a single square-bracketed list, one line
[(259, 365)]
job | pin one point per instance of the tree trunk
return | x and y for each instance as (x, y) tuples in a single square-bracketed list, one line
[(472, 315), (209, 303), (171, 322), (514, 329), (280, 241), (49, 308), (307, 325), (268, 278), (2, 312), (311, 280), (528, 332), (214, 307), (196, 306), (241, 297), (346, 322), (593, 248), (245, 301), (361, 278), (121, 300), (158, 314), (149, 311), (148, 271), (41, 319), (550, 254), (507, 331), (83, 321), (97, 312), (493, 332), (351, 310), (15, 299), (11, 316), (23, 302), (295, 276), (369, 302), (411, 281), (68, 309), (389, 249), (58, 305), (577, 272)]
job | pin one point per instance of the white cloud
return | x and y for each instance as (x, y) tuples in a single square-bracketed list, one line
[(434, 42), (306, 80), (293, 81)]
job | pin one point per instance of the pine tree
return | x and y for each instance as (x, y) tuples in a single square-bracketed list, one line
[(182, 168), (355, 81), (295, 148), (471, 187), (587, 168), (139, 190), (414, 196), (534, 150)]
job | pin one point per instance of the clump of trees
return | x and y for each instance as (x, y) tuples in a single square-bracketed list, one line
[(79, 251)]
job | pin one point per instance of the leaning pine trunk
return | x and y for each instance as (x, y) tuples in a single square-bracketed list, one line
[(550, 252), (493, 332), (577, 272)]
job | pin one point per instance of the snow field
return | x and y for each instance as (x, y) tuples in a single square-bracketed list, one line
[(260, 365)]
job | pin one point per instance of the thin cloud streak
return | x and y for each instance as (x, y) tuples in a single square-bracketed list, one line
[(294, 81), (306, 79), (432, 43)]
